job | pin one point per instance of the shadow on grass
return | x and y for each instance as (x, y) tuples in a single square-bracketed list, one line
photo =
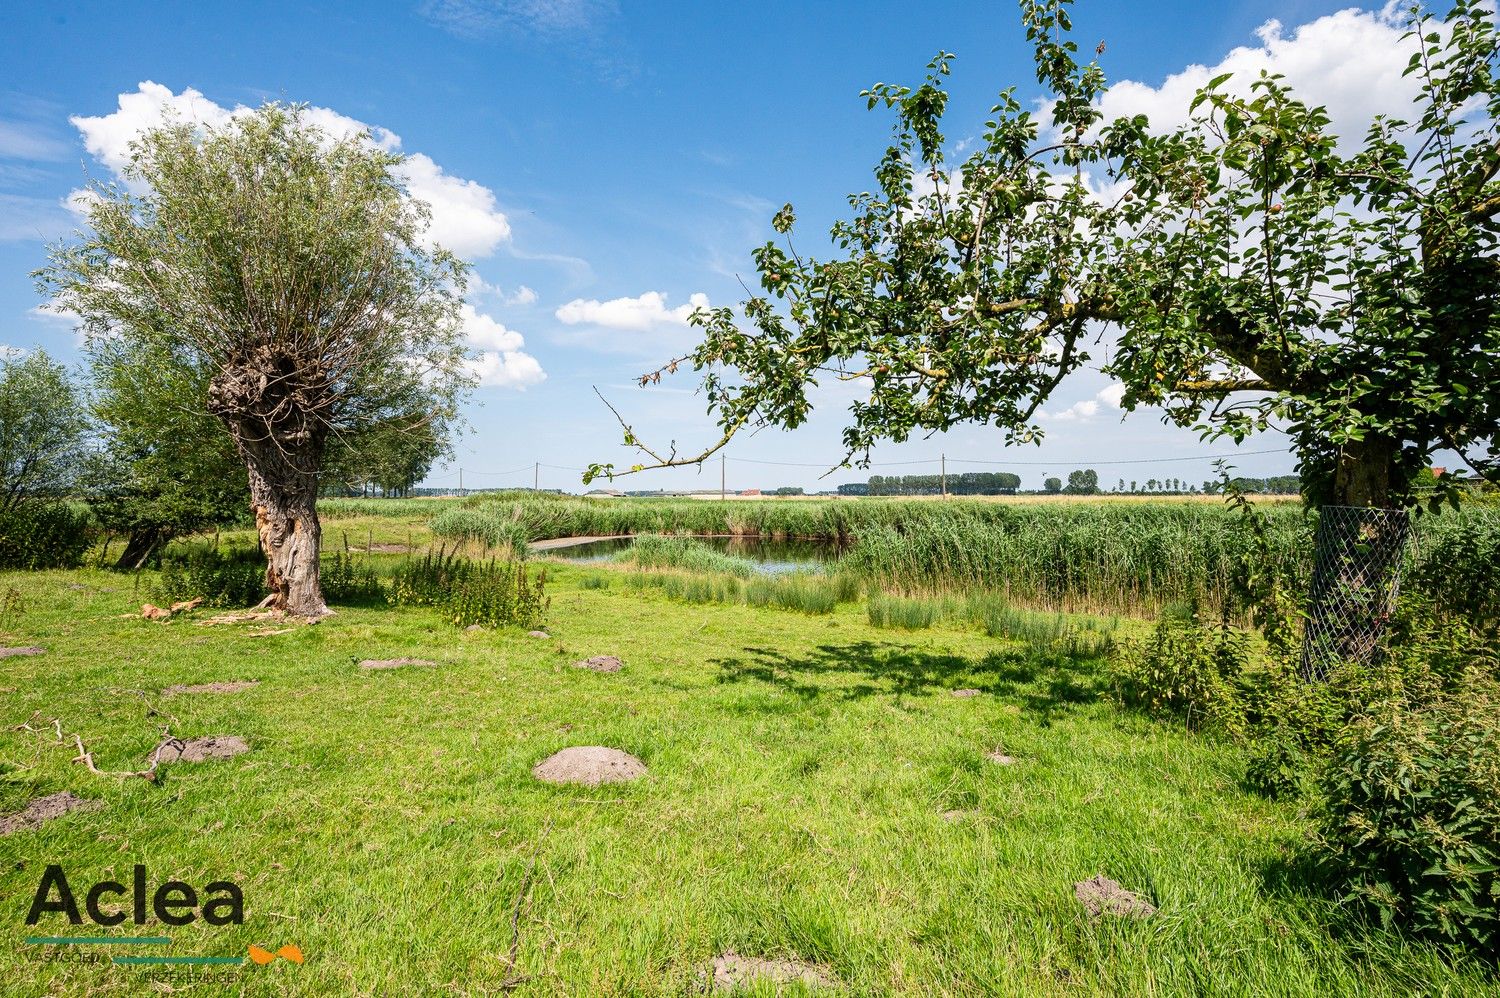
[(1040, 682)]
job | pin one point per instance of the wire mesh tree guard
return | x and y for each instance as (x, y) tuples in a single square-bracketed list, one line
[(1358, 555)]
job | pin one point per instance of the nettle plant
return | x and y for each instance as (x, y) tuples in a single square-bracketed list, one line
[(1249, 268)]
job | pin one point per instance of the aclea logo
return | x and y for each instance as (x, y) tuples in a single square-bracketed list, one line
[(173, 903)]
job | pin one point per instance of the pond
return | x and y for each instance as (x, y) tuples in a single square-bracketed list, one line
[(771, 557)]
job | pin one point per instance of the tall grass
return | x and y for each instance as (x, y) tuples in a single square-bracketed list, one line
[(1114, 557), (654, 551), (1075, 636), (482, 526)]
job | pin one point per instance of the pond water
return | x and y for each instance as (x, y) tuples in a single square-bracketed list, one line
[(772, 557)]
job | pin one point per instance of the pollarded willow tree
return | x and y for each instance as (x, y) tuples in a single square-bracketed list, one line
[(1244, 270), (283, 269)]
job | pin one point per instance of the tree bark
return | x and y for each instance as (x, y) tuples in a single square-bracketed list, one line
[(142, 543), (1364, 473), (264, 404), (284, 502)]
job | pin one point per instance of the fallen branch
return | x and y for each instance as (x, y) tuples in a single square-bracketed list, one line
[(87, 758), (514, 980)]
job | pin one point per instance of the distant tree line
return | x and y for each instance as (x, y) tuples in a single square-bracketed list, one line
[(968, 483)]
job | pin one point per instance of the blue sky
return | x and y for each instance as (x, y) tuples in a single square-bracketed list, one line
[(601, 163)]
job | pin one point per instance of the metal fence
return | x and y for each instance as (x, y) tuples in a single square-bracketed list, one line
[(1357, 559)]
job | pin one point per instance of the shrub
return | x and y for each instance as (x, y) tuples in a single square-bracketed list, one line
[(347, 583), (233, 577), (495, 593), (1185, 670), (36, 535), (1410, 814)]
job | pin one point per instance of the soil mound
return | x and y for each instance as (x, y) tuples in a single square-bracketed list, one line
[(394, 663), (28, 650), (201, 749), (731, 971), (966, 693), (600, 663), (1103, 896), (589, 765), (538, 634), (234, 687), (44, 809), (999, 758)]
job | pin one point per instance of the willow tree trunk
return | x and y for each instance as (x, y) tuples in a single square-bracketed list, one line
[(284, 501), (263, 404)]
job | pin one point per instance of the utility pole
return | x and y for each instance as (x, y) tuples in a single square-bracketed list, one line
[(536, 477), (944, 475), (722, 495), (460, 481)]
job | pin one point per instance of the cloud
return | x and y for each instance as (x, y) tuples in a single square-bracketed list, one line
[(1350, 61), (507, 370), (537, 17), (641, 314), (1107, 398), (22, 141), (465, 217), (479, 287), (500, 363), (586, 31), (27, 218)]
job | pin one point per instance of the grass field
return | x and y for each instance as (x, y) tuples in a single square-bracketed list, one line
[(814, 791)]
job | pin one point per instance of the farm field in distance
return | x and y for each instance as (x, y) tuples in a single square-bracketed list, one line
[(815, 791)]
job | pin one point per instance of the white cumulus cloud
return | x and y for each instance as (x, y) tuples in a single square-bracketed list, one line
[(643, 313), (1350, 61), (500, 361), (465, 217), (1107, 398)]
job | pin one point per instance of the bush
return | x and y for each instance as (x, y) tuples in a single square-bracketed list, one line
[(1410, 814), (234, 577), (36, 535), (347, 583), (494, 593), (1186, 670)]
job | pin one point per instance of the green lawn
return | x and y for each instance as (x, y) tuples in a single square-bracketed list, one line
[(800, 767)]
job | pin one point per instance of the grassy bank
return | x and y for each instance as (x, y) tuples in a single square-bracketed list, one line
[(814, 790)]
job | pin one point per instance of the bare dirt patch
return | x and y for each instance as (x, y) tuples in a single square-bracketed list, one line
[(395, 663), (44, 809), (955, 816), (28, 650), (200, 749), (538, 634), (233, 687), (589, 765), (966, 693), (1100, 895), (999, 758), (731, 971), (600, 663)]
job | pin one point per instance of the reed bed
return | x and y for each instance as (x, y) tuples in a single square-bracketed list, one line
[(1112, 557)]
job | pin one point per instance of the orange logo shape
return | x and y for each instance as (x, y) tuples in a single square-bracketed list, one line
[(287, 952)]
